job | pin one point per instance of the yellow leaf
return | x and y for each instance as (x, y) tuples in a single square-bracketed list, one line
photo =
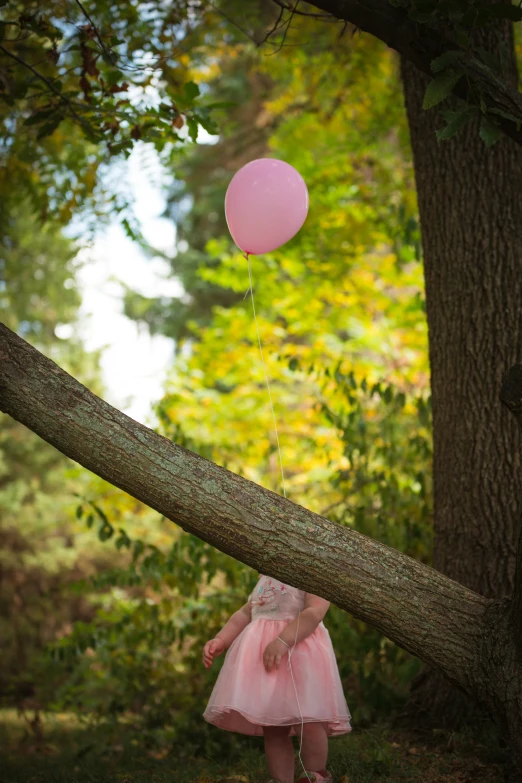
[(158, 754)]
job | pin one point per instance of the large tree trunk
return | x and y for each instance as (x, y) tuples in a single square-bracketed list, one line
[(471, 217), (472, 640)]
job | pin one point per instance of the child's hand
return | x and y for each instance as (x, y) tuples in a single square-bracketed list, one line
[(212, 649), (273, 654)]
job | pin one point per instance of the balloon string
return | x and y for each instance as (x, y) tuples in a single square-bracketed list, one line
[(247, 256)]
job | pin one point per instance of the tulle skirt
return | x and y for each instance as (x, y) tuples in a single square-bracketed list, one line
[(246, 697)]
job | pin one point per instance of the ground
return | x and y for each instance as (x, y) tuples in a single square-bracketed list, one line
[(63, 751)]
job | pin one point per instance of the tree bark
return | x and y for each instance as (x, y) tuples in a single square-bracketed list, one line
[(465, 636), (511, 397), (471, 217), (420, 45)]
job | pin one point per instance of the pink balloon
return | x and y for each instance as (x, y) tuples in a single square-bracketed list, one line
[(266, 204)]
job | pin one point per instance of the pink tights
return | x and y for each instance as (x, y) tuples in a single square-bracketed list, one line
[(280, 751)]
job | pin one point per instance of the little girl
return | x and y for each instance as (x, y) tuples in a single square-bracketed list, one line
[(280, 678)]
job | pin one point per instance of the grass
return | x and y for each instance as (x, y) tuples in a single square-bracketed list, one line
[(62, 750)]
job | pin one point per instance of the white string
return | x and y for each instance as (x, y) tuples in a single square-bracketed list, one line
[(266, 375), (290, 651), (297, 697)]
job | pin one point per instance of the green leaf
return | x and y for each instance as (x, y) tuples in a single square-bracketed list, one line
[(54, 34), (489, 59), (207, 123), (79, 512), (19, 89), (129, 230), (489, 131), (40, 25), (192, 125), (123, 540), (445, 59), (440, 88), (460, 37), (106, 531), (92, 132), (455, 121), (101, 514), (221, 105), (507, 116), (109, 57), (190, 91), (113, 76), (49, 128), (40, 116), (138, 549), (120, 146)]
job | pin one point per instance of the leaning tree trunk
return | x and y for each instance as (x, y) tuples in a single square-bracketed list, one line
[(475, 642), (471, 216)]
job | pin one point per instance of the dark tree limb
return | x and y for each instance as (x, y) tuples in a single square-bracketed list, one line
[(421, 45)]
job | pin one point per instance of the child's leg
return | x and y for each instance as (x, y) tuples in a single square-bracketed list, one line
[(315, 746), (279, 753)]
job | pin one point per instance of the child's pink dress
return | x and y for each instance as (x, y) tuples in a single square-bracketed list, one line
[(246, 697)]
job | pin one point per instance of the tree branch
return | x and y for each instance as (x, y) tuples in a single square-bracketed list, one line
[(421, 45), (419, 608), (48, 82), (96, 31), (293, 9), (511, 397)]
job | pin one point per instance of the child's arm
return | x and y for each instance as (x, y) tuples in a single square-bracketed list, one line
[(314, 610), (237, 623), (226, 636)]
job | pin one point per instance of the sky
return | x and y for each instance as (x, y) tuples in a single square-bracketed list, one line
[(134, 364)]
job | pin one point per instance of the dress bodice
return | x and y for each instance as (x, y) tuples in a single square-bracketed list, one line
[(273, 600)]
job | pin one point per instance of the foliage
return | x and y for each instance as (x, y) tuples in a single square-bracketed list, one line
[(459, 15), (38, 555), (64, 750), (476, 28), (340, 312), (38, 291), (195, 196), (182, 594), (82, 83), (341, 316), (348, 289), (107, 669)]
